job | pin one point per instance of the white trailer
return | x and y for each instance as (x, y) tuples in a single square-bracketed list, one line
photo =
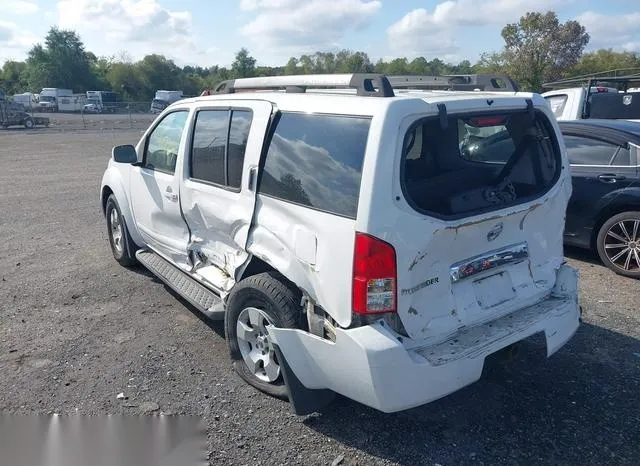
[(50, 97), (28, 100)]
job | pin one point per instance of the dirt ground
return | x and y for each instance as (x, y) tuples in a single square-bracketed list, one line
[(76, 329)]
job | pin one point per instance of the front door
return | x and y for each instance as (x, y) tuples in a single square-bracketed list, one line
[(218, 192), (598, 167), (155, 188)]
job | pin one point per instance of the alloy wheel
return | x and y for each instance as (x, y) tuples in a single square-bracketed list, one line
[(255, 344), (622, 245)]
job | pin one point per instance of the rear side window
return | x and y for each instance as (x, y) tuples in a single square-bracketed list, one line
[(316, 161), (218, 147), (478, 163), (589, 151)]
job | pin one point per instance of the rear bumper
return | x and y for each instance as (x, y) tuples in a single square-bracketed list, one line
[(370, 365)]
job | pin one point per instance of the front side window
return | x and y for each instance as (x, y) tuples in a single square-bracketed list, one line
[(163, 143), (316, 161), (219, 145), (588, 151), (475, 163)]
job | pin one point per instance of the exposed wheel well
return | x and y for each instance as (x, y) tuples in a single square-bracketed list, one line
[(106, 192), (256, 266), (605, 214)]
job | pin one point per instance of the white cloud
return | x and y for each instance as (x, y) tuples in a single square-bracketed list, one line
[(614, 31), (19, 7), (421, 32), (139, 26), (251, 5), (14, 41), (305, 26)]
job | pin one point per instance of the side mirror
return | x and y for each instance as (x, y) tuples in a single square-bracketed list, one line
[(124, 154)]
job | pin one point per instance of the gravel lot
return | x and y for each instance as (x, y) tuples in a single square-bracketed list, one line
[(77, 329)]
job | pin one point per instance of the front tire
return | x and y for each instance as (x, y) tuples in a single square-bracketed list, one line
[(28, 123), (618, 244), (256, 302), (122, 246)]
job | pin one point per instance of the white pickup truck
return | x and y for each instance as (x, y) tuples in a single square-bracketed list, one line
[(595, 98)]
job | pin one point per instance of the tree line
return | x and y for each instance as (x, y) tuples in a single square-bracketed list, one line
[(537, 49)]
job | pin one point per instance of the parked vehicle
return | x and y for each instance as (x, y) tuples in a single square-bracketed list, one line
[(163, 99), (50, 98), (603, 96), (604, 210), (28, 100), (101, 101), (71, 104), (12, 114), (344, 237)]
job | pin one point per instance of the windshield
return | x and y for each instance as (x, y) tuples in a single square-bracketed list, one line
[(475, 163)]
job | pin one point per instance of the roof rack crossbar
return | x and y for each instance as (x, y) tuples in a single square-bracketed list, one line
[(366, 84), (456, 82)]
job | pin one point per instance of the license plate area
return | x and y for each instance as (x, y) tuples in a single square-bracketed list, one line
[(494, 290)]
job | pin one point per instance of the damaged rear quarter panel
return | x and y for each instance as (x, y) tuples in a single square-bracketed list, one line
[(311, 248)]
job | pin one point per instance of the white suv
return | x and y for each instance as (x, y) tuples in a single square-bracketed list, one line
[(348, 236)]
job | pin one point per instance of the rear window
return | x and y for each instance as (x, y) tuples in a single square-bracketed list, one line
[(316, 161), (476, 163)]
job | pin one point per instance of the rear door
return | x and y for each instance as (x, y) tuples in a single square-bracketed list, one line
[(599, 166), (155, 187), (218, 192), (482, 233)]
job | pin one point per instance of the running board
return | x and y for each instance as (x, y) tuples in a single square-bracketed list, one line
[(199, 296)]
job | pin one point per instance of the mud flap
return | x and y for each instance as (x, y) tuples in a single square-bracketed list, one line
[(303, 400)]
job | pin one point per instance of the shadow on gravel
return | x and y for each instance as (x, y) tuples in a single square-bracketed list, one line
[(578, 407), (583, 255), (216, 326)]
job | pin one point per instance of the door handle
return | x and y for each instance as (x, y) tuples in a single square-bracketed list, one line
[(169, 194), (611, 178)]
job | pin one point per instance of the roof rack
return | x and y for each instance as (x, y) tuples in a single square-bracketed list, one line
[(456, 82), (622, 76), (366, 84)]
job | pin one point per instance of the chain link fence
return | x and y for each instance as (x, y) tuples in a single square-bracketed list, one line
[(116, 116)]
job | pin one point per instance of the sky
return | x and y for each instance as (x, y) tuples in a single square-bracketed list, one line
[(209, 32)]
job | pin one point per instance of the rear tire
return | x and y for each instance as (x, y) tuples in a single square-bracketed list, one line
[(255, 302), (618, 244), (122, 246), (28, 123)]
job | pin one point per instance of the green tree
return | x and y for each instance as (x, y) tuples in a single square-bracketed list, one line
[(244, 65), (418, 66), (291, 67), (157, 72), (61, 62), (397, 66), (605, 60), (539, 48), (13, 77)]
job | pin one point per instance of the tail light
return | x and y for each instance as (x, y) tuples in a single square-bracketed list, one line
[(374, 276)]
